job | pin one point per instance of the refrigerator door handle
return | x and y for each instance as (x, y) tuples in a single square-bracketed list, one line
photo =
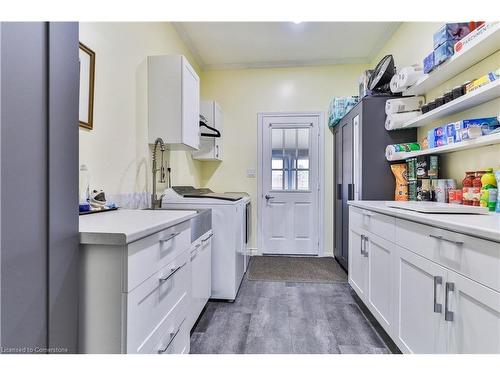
[(339, 191), (350, 192)]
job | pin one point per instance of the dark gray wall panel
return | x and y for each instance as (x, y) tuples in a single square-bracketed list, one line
[(63, 185), (23, 185)]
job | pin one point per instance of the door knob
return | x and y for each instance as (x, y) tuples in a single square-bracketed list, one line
[(268, 197)]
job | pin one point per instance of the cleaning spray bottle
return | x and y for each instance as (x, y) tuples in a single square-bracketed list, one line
[(488, 196), (497, 176)]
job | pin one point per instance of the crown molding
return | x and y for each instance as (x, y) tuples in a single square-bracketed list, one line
[(188, 43), (184, 36), (287, 63)]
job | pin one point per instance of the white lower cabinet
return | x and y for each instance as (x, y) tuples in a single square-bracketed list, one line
[(201, 277), (427, 305), (419, 302), (380, 255), (473, 325), (135, 298), (358, 264)]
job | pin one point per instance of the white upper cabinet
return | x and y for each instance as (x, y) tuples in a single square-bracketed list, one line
[(174, 102), (210, 147)]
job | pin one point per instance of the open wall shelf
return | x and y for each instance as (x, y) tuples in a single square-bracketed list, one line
[(481, 48), (485, 140), (479, 96)]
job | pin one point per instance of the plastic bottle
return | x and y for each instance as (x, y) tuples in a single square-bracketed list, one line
[(84, 189), (467, 188), (497, 176), (488, 186), (476, 188)]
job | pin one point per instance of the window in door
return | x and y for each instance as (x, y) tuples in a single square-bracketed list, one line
[(290, 159)]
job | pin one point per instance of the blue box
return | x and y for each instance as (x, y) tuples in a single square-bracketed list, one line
[(488, 124), (453, 132), (443, 53), (450, 32), (429, 63), (437, 137)]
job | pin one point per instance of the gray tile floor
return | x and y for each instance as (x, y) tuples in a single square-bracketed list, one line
[(282, 317)]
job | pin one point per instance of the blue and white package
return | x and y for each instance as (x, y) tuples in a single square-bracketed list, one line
[(437, 137), (429, 63), (453, 134), (487, 124), (443, 53), (450, 32), (339, 106)]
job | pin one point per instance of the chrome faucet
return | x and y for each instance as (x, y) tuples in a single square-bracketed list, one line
[(156, 203)]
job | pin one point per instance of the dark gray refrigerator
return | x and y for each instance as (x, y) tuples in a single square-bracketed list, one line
[(361, 171), (39, 83)]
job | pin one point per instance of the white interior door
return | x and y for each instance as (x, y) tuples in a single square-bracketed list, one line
[(290, 185)]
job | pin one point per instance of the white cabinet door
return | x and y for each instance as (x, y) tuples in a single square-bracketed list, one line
[(173, 102), (190, 106), (473, 321), (358, 263), (420, 297), (219, 150), (210, 147), (206, 260), (381, 290)]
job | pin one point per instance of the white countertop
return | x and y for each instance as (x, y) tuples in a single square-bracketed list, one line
[(483, 226), (122, 226)]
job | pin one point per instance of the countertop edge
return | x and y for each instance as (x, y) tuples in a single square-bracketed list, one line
[(121, 239), (430, 219)]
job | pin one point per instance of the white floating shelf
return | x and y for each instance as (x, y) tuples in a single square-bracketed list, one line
[(479, 96), (485, 140), (481, 48)]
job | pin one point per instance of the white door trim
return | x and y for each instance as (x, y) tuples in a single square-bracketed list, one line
[(321, 173)]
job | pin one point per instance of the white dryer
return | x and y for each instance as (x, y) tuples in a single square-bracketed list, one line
[(231, 230)]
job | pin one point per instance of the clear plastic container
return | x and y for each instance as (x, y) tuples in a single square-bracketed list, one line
[(84, 186)]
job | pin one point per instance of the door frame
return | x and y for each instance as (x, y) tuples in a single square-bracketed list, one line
[(321, 173)]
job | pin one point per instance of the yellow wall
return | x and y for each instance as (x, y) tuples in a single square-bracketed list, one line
[(116, 150), (409, 45), (117, 153), (244, 93), (120, 112)]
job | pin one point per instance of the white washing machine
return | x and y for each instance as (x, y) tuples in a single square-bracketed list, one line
[(231, 231)]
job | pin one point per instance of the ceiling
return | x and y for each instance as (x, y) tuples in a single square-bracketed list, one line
[(239, 45)]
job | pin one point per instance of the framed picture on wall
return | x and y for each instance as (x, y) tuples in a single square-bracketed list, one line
[(87, 75)]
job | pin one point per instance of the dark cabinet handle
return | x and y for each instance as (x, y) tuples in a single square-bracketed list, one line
[(339, 191), (350, 192)]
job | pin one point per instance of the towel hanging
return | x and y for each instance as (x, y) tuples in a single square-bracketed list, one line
[(203, 123)]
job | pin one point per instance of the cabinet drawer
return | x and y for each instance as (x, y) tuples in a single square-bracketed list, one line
[(176, 342), (379, 224), (473, 257), (161, 299), (171, 337), (148, 255)]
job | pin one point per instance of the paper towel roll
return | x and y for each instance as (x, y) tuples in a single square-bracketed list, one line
[(405, 78), (394, 152), (404, 104), (409, 75), (393, 85), (396, 120)]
